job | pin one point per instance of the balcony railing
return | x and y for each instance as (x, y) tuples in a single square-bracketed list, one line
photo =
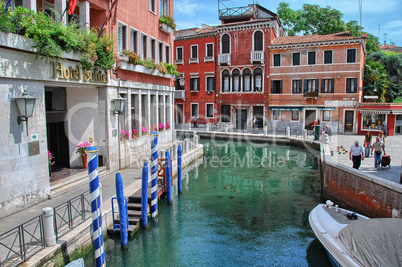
[(310, 94), (179, 61), (209, 59), (180, 94), (224, 59), (193, 60), (257, 57)]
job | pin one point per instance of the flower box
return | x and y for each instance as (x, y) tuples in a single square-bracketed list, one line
[(165, 28)]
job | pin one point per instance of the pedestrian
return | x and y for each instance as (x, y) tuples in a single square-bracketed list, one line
[(195, 122), (367, 144), (328, 132), (384, 128), (382, 137), (255, 123), (314, 124), (356, 154), (378, 148)]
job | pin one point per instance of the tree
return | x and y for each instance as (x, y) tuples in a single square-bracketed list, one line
[(375, 80)]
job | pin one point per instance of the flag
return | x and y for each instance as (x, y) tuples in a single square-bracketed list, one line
[(108, 16), (71, 6), (7, 6)]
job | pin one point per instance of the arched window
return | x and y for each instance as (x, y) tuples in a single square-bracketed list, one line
[(225, 81), (246, 80), (258, 80), (225, 46), (258, 43), (236, 80)]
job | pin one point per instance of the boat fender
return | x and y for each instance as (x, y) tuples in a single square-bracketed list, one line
[(351, 216), (329, 203)]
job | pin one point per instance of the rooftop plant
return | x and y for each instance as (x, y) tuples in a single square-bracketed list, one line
[(52, 37), (168, 20)]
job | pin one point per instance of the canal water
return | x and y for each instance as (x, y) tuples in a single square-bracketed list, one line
[(242, 205)]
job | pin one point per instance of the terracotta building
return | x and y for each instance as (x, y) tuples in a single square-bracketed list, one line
[(252, 70)]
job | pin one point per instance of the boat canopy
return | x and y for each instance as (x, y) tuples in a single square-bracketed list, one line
[(374, 242)]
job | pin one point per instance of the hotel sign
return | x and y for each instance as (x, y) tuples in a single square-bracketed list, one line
[(78, 74)]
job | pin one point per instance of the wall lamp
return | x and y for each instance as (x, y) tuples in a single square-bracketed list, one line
[(119, 104), (25, 105)]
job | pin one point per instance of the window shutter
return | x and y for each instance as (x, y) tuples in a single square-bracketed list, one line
[(272, 87), (355, 89), (347, 85), (317, 82), (322, 85), (305, 85), (332, 85), (280, 84), (198, 84), (191, 84), (214, 84)]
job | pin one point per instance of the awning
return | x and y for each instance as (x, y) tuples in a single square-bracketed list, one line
[(285, 108), (374, 111), (326, 108)]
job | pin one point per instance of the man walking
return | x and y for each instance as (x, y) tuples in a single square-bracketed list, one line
[(356, 154)]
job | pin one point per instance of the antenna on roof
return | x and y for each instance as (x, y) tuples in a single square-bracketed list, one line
[(385, 38)]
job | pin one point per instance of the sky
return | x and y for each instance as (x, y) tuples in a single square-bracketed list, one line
[(378, 16)]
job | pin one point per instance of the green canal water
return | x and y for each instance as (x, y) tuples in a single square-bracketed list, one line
[(241, 205)]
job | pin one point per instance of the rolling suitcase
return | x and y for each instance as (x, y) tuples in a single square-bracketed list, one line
[(386, 161)]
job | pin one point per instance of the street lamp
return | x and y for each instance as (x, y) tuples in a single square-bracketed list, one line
[(25, 106), (119, 104)]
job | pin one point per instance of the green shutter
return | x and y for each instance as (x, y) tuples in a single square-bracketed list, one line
[(322, 85), (280, 90), (332, 85)]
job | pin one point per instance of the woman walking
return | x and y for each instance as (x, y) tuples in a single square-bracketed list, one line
[(378, 147), (367, 144)]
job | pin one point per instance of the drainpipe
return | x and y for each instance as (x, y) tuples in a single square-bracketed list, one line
[(118, 125)]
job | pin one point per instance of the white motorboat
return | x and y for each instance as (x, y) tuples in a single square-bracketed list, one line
[(351, 239)]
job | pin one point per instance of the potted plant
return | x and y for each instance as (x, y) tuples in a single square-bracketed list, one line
[(153, 128), (167, 126), (123, 135), (161, 127), (81, 149), (50, 161), (134, 133), (144, 130)]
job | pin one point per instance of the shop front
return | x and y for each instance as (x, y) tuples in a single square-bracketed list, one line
[(379, 117)]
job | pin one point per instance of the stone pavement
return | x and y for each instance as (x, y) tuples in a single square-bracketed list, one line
[(393, 147)]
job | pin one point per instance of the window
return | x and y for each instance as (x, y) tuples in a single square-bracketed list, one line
[(328, 57), (122, 38), (194, 83), (373, 121), (276, 87), (209, 50), (134, 41), (258, 80), (310, 85), (179, 84), (153, 49), (225, 113), (179, 53), (210, 83), (160, 52), (296, 59), (326, 115), (152, 6), (276, 115), (225, 44), (351, 56), (277, 60), (258, 41), (164, 8), (295, 115), (246, 80), (210, 110), (144, 46), (194, 51), (296, 86), (311, 58), (351, 85), (327, 85), (167, 54), (194, 110), (225, 81), (236, 80)]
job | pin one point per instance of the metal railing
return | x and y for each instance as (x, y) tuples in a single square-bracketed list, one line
[(72, 213), (21, 242)]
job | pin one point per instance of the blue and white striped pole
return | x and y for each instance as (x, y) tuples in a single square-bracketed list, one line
[(168, 174), (179, 153), (144, 196), (95, 205), (154, 174)]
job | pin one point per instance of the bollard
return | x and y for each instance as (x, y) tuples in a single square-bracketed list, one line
[(226, 128), (265, 130), (189, 126), (304, 134), (208, 127), (48, 226), (179, 153), (168, 174), (123, 216), (95, 205), (288, 132), (144, 196), (154, 174), (185, 146)]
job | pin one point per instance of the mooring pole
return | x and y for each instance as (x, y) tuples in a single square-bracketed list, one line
[(144, 196), (168, 177), (154, 174), (121, 201), (179, 153), (95, 205)]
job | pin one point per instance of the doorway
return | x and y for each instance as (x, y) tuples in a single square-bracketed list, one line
[(179, 113), (241, 118), (349, 115), (310, 116), (259, 115)]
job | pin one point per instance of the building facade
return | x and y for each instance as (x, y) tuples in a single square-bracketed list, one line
[(73, 104)]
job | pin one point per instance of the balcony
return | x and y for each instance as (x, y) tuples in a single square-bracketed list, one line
[(180, 94), (257, 57), (209, 59), (165, 28), (224, 59), (179, 61), (193, 60), (313, 94)]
